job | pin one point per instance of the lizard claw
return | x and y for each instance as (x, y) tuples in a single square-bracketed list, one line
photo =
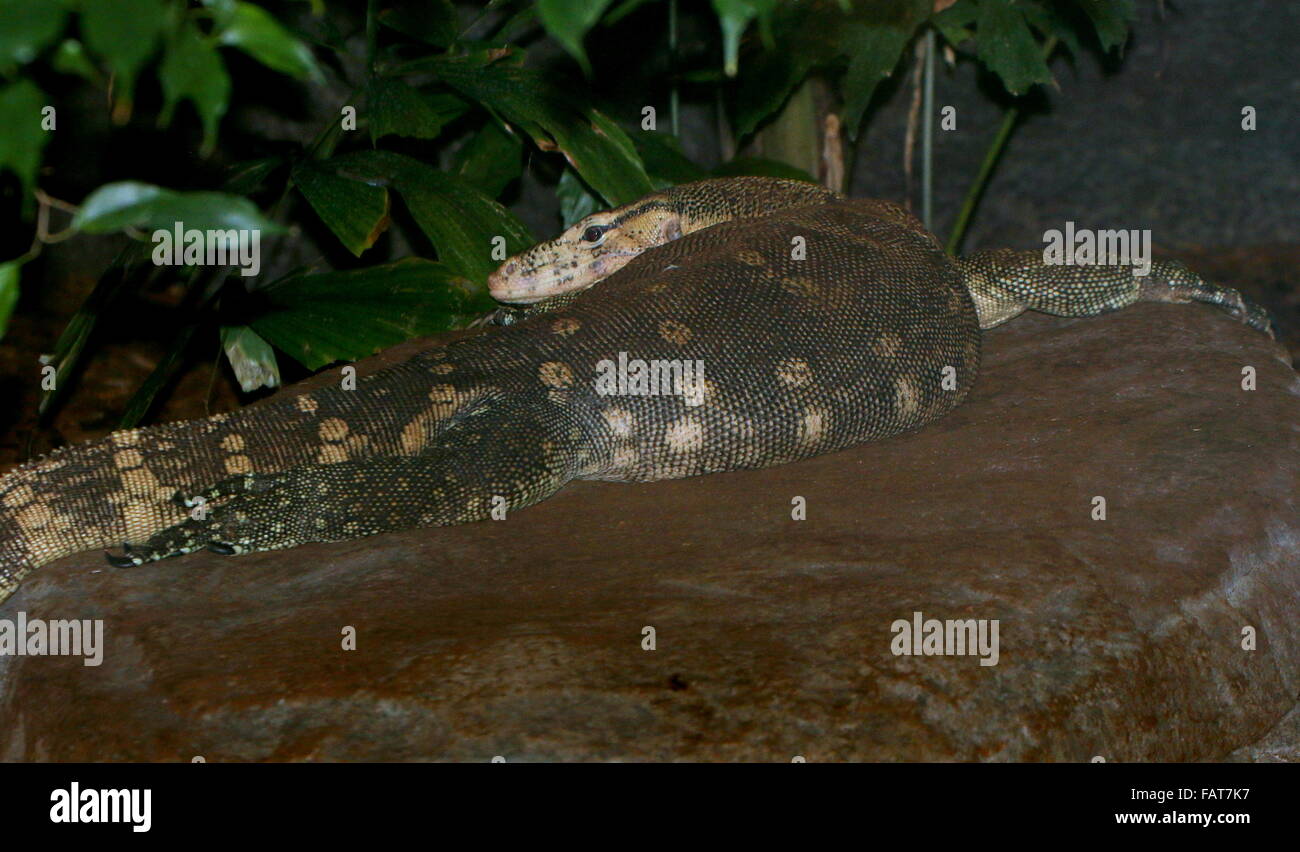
[(121, 561), (222, 548)]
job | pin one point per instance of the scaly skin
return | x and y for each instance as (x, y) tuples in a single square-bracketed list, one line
[(873, 333)]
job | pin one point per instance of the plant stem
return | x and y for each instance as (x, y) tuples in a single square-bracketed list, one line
[(991, 157), (372, 35), (927, 132), (674, 97)]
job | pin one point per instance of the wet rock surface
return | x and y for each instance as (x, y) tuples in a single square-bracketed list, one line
[(1119, 638)]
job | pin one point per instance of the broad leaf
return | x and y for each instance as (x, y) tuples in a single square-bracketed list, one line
[(664, 160), (192, 69), (394, 107), (576, 201), (430, 21), (70, 58), (803, 39), (870, 36), (874, 50), (591, 142), (356, 212), (142, 205), (1111, 18), (1008, 48), (21, 136), (954, 23), (251, 29), (245, 178), (568, 21), (1049, 22), (342, 316), (27, 27), (491, 159), (125, 33), (733, 17), (462, 223), (8, 293)]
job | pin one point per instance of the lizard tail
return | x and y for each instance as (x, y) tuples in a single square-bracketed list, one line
[(132, 484)]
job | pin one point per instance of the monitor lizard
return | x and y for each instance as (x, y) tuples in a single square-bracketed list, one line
[(819, 322)]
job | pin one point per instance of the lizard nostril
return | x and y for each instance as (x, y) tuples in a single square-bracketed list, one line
[(510, 268)]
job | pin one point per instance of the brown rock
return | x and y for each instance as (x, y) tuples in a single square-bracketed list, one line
[(1120, 638)]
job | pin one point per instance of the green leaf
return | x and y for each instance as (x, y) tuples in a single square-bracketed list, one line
[(733, 17), (125, 33), (593, 144), (808, 36), (1110, 18), (491, 159), (461, 222), (70, 58), (623, 172), (27, 27), (246, 177), (356, 212), (516, 27), (192, 70), (252, 29), (142, 205), (430, 21), (1008, 48), (874, 51), (251, 357), (769, 86), (664, 160), (622, 10), (1049, 22), (8, 293), (576, 201), (342, 316), (954, 23), (395, 108), (568, 21), (762, 168), (22, 139), (805, 37)]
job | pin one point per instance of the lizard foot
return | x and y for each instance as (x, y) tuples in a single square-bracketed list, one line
[(238, 515), (352, 499), (1240, 308), (1173, 282)]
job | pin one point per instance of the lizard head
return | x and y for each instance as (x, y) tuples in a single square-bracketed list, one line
[(601, 244), (588, 251)]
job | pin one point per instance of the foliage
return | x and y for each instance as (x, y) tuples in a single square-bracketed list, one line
[(459, 81)]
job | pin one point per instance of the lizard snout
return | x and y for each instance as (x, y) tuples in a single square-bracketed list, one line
[(507, 285)]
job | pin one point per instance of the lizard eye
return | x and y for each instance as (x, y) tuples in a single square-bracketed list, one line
[(595, 233)]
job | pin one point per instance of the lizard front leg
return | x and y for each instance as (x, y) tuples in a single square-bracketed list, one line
[(504, 457)]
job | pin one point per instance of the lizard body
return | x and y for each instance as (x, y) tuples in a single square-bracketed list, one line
[(872, 332)]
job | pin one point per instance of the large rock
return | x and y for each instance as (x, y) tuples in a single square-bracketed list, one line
[(1120, 638)]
